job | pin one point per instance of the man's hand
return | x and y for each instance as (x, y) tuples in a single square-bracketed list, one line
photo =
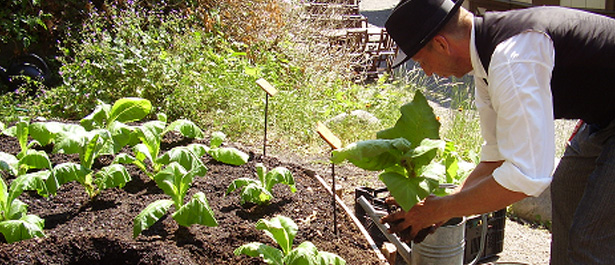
[(402, 223)]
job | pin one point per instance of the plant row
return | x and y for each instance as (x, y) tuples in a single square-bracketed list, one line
[(107, 131)]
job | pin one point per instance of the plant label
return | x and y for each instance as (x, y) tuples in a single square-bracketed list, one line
[(328, 136), (267, 87)]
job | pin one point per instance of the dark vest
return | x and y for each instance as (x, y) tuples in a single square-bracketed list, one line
[(583, 81)]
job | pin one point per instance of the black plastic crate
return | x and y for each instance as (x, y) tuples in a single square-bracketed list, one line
[(494, 241), (495, 230), (376, 199)]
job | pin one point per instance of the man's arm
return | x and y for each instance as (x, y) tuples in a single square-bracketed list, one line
[(480, 172)]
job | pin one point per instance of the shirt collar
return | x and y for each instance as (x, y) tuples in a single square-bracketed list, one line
[(477, 66)]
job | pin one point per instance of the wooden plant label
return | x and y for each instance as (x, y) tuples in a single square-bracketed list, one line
[(267, 87), (328, 136)]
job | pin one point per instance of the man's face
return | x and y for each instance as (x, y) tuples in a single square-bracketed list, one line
[(434, 59)]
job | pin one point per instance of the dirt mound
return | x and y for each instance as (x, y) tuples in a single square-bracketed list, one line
[(99, 231)]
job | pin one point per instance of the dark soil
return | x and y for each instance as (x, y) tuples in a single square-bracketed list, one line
[(99, 231)]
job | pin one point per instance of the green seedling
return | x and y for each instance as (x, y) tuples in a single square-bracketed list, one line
[(151, 134), (227, 155), (174, 180), (260, 191), (283, 231), (15, 223), (114, 119)]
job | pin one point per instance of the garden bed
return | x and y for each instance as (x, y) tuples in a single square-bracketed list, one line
[(99, 231)]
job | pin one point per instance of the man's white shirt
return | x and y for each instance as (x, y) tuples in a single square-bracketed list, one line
[(516, 110)]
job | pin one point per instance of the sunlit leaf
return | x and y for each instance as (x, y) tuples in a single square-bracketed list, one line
[(150, 215)]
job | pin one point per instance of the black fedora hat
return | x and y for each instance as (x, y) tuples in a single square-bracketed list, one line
[(413, 23)]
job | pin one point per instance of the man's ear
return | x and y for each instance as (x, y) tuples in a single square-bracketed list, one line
[(441, 44)]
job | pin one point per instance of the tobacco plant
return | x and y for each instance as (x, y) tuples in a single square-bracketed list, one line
[(406, 155), (15, 223), (283, 231), (260, 191), (114, 119), (151, 134), (227, 155), (21, 130), (174, 180)]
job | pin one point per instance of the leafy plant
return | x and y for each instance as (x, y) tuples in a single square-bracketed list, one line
[(113, 119), (9, 163), (151, 134), (283, 231), (21, 21), (406, 154), (21, 130), (15, 223), (174, 180), (260, 191), (227, 155)]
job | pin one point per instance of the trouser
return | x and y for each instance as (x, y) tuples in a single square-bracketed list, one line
[(583, 199)]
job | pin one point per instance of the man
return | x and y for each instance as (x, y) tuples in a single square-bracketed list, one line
[(530, 66)]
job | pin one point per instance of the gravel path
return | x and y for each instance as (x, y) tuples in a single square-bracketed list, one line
[(522, 243)]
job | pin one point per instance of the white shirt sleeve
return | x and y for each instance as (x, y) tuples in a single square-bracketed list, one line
[(516, 112)]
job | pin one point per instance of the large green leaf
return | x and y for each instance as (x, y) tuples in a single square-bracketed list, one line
[(280, 175), (64, 173), (33, 159), (9, 163), (150, 215), (304, 254), (91, 150), (129, 109), (122, 135), (255, 193), (31, 181), (198, 149), (422, 155), (22, 130), (96, 119), (216, 139), (186, 128), (186, 158), (373, 155), (29, 226), (239, 183), (123, 158), (328, 258), (406, 191), (114, 175), (150, 134), (281, 229), (142, 152), (269, 254), (45, 132), (174, 180), (16, 210), (4, 196), (229, 155), (416, 123), (196, 211), (71, 140)]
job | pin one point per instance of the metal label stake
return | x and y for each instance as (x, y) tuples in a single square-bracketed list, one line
[(335, 143), (270, 91)]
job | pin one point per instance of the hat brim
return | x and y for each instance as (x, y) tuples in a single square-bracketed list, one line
[(402, 57)]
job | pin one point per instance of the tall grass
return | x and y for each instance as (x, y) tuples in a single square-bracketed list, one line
[(202, 62)]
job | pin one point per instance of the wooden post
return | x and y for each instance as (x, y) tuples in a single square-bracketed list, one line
[(270, 91), (335, 143)]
